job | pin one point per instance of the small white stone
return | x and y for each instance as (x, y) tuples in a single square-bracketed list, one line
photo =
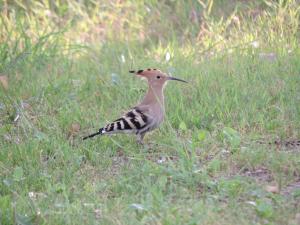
[(31, 194), (16, 118), (123, 58), (162, 160), (251, 203), (255, 44), (137, 206), (168, 56)]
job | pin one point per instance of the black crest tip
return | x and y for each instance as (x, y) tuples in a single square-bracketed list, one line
[(140, 71), (131, 71)]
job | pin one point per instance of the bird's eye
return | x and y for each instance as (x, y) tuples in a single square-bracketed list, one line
[(158, 77)]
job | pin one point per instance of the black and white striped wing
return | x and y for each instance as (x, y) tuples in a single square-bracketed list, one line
[(133, 121), (137, 121)]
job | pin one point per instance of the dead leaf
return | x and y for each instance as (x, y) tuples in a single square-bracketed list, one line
[(97, 213), (272, 188), (297, 218), (26, 106), (74, 128), (35, 195), (271, 57), (291, 188), (18, 76), (4, 82), (194, 16)]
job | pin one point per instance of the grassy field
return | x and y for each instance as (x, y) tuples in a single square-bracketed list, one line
[(64, 74)]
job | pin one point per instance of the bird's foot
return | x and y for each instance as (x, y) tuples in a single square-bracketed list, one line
[(140, 138), (140, 142)]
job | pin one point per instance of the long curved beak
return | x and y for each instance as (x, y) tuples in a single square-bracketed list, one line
[(174, 78)]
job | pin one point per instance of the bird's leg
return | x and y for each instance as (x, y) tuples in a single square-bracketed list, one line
[(140, 138)]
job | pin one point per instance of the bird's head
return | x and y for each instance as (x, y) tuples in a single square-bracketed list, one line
[(155, 77)]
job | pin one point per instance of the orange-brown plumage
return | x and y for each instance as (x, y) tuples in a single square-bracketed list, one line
[(148, 114)]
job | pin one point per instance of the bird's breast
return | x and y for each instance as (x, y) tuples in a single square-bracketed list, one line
[(158, 115)]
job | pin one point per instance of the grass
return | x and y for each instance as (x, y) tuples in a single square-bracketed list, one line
[(203, 166)]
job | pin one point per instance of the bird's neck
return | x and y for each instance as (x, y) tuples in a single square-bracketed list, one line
[(155, 95)]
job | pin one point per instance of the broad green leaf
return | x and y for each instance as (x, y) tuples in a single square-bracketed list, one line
[(202, 135), (264, 209), (6, 209), (23, 220), (18, 173), (232, 136), (182, 126)]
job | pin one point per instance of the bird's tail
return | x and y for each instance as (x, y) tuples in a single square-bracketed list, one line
[(100, 132), (126, 124)]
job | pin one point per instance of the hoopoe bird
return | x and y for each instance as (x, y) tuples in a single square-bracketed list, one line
[(148, 114)]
